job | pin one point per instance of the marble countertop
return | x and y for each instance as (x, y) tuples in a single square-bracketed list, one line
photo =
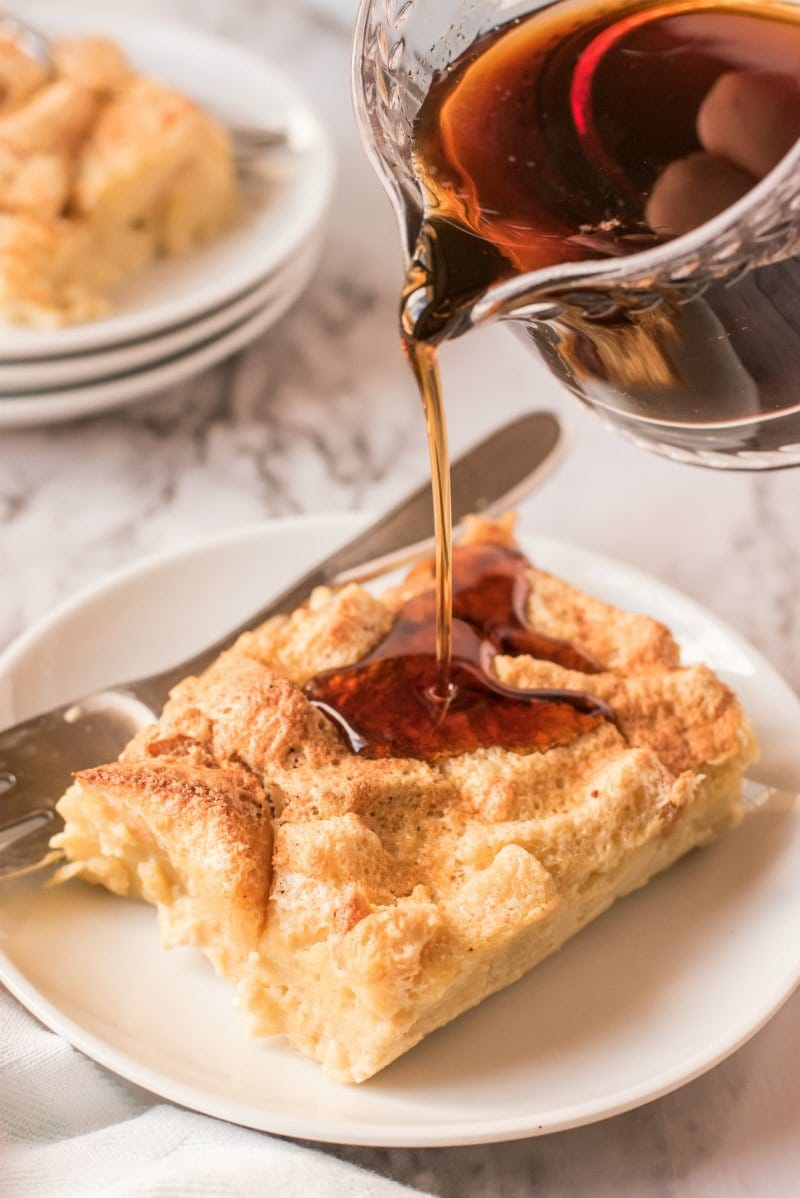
[(320, 413)]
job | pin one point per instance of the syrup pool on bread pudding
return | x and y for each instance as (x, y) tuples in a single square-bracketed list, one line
[(388, 705)]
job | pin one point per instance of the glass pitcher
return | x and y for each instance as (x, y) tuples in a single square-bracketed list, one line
[(690, 348)]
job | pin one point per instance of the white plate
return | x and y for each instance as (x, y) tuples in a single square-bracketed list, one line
[(43, 407), (56, 374), (237, 86), (652, 994)]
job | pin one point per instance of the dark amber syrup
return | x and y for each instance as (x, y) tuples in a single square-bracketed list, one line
[(388, 704), (546, 141)]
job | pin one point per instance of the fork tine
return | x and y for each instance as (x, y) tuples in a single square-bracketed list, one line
[(37, 760), (29, 849)]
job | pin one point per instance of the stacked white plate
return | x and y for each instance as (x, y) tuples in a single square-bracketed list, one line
[(183, 315)]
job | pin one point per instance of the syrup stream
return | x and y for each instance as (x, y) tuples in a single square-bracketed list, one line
[(426, 371)]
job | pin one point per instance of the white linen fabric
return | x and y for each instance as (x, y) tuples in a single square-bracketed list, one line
[(71, 1129)]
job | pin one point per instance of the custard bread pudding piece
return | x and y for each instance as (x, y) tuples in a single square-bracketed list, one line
[(356, 904), (101, 172)]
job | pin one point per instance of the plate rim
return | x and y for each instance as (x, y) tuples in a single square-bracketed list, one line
[(444, 1134), (315, 237), (162, 347), (116, 329), (101, 395)]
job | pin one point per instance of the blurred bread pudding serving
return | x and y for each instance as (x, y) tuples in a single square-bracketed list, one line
[(101, 172)]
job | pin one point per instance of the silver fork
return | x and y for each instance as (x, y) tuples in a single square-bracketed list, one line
[(38, 755)]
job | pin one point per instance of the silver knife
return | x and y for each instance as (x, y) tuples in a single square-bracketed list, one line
[(38, 756)]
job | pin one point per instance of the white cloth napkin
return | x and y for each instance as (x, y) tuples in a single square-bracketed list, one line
[(70, 1129)]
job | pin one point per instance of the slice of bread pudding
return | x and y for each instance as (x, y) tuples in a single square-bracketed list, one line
[(102, 171), (356, 904)]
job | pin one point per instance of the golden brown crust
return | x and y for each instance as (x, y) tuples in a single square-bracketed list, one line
[(212, 825), (240, 711), (686, 716), (403, 892), (334, 629), (93, 62)]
